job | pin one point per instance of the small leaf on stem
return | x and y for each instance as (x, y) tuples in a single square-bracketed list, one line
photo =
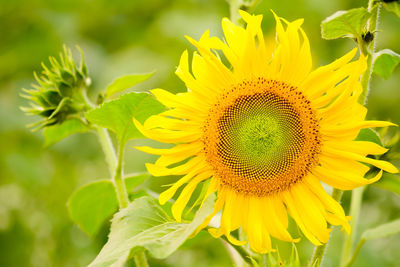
[(385, 61), (125, 82), (116, 115), (57, 132), (92, 204), (392, 6), (349, 23)]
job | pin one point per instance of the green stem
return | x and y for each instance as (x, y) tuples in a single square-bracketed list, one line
[(108, 148), (355, 254), (241, 250), (368, 49), (116, 169), (319, 251), (118, 181), (140, 259), (234, 6), (356, 200)]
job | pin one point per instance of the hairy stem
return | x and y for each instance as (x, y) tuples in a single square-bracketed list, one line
[(108, 148), (368, 49), (319, 251)]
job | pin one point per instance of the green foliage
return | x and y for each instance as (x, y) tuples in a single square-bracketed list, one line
[(390, 182), (117, 115), (385, 62), (144, 224), (135, 179), (57, 132), (125, 82), (348, 23), (383, 230), (90, 205), (393, 6), (369, 134), (60, 93)]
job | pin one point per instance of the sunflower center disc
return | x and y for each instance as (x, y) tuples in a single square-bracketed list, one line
[(261, 137)]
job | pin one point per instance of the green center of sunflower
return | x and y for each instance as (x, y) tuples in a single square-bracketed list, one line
[(261, 137), (258, 137), (260, 132)]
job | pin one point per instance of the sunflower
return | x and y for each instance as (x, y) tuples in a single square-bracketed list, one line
[(264, 132)]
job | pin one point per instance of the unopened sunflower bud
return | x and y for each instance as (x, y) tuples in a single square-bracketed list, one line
[(61, 91)]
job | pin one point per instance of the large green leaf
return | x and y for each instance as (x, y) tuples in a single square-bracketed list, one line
[(144, 224), (125, 82), (393, 6), (383, 230), (385, 62), (57, 132), (348, 23), (117, 114), (92, 204)]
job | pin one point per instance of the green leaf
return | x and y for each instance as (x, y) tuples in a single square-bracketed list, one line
[(383, 230), (368, 134), (144, 224), (92, 204), (389, 182), (125, 82), (348, 23), (393, 7), (57, 132), (117, 114), (135, 179), (385, 61)]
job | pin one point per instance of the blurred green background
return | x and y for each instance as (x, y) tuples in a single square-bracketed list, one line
[(122, 37)]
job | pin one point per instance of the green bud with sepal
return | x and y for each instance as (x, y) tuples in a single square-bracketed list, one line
[(60, 92)]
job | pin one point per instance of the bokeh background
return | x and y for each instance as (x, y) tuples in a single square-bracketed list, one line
[(122, 37)]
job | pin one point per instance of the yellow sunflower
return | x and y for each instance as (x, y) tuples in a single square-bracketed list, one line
[(265, 131)]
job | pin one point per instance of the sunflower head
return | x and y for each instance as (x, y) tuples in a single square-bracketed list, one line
[(265, 130), (60, 90)]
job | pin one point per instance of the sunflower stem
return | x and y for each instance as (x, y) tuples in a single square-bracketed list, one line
[(356, 199), (141, 260), (241, 250), (319, 251), (368, 49), (235, 5)]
